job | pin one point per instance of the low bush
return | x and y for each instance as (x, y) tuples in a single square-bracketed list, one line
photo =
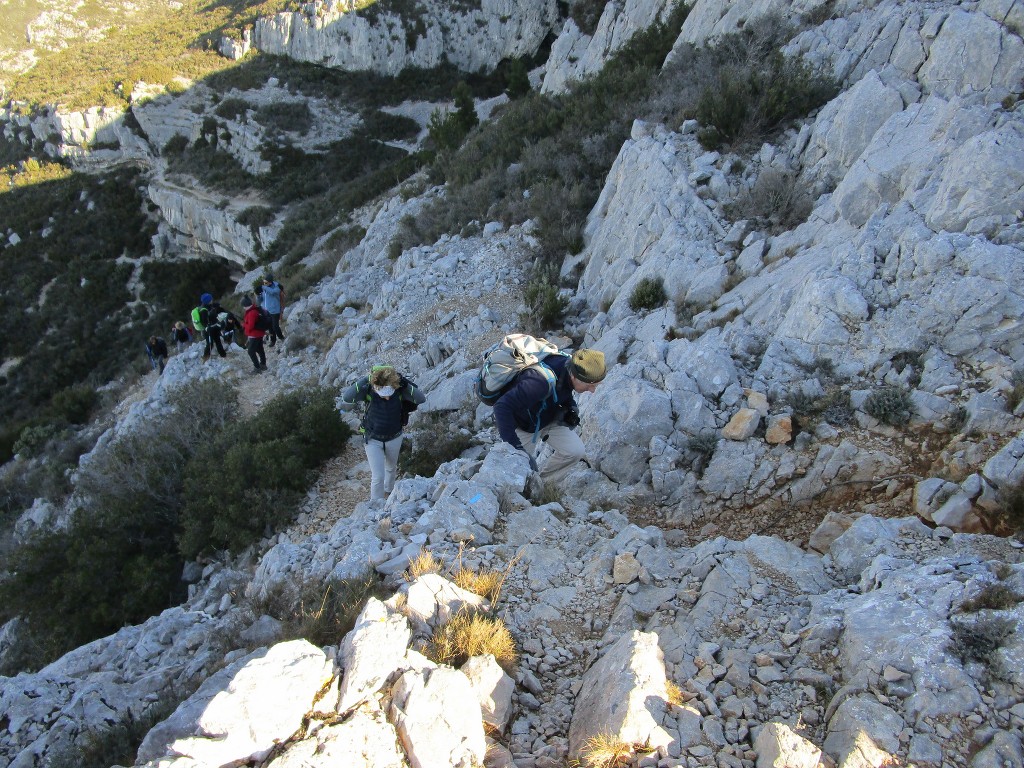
[(290, 116), (244, 482), (384, 126), (995, 596), (1009, 517), (890, 405), (979, 639), (232, 109), (544, 299), (1016, 395), (649, 293), (119, 561), (956, 419), (776, 202), (431, 444), (64, 289), (756, 89), (471, 633), (322, 613)]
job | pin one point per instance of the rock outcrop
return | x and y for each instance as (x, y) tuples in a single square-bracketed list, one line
[(473, 39)]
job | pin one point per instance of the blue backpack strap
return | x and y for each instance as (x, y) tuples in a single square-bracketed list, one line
[(552, 380)]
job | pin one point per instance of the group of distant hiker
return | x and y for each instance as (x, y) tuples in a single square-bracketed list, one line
[(261, 316), (528, 381)]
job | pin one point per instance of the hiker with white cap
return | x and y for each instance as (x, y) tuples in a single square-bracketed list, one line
[(532, 411), (389, 399)]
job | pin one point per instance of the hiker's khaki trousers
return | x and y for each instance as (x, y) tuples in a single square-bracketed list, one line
[(566, 449)]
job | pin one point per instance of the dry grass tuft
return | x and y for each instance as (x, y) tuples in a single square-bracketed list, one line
[(605, 751), (675, 693), (423, 563), (471, 633), (487, 584)]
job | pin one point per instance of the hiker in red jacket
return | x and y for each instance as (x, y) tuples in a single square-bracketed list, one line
[(253, 335)]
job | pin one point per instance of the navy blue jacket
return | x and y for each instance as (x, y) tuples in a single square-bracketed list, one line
[(528, 404), (383, 418)]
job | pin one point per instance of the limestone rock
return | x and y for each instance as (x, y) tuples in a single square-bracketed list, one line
[(623, 695)]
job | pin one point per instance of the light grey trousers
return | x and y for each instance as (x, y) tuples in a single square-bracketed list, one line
[(383, 459), (566, 449)]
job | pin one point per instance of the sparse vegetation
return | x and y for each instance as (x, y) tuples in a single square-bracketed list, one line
[(675, 693), (322, 613), (422, 564), (544, 299), (487, 584), (754, 89), (808, 410), (431, 444), (956, 419), (1009, 518), (649, 293), (605, 751), (472, 633), (995, 596), (560, 146), (979, 639), (245, 481), (775, 203), (1016, 395), (890, 405)]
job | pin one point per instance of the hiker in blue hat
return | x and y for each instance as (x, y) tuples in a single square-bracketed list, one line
[(204, 318)]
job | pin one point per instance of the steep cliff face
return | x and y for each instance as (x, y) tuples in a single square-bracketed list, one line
[(473, 39)]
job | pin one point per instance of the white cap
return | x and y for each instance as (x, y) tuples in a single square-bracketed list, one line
[(384, 391)]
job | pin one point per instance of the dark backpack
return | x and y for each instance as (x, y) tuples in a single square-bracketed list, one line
[(263, 320)]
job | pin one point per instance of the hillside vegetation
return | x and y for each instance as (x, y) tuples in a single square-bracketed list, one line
[(168, 44)]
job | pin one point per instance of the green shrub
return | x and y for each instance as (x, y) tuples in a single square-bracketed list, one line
[(750, 89), (564, 146), (232, 109), (542, 296), (292, 116), (704, 443), (245, 481), (649, 293), (430, 444), (956, 419), (384, 126), (175, 145), (82, 330), (33, 439), (890, 405), (193, 472), (256, 216), (1009, 517)]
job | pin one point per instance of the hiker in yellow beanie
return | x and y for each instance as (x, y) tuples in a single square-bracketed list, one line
[(540, 407)]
